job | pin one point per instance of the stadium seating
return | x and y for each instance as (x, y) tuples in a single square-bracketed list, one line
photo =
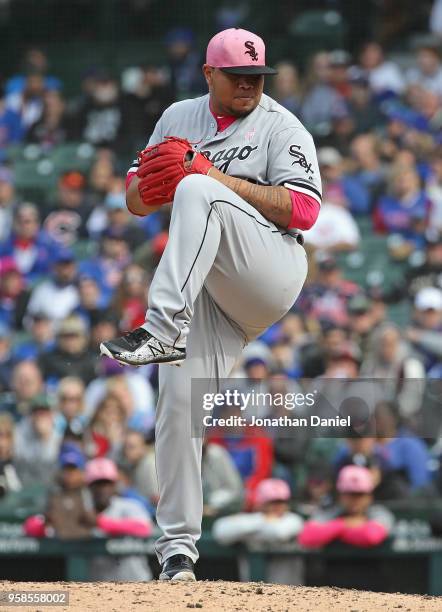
[(34, 179), (37, 171), (317, 30)]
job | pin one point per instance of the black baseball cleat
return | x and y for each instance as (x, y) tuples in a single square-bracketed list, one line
[(178, 567), (139, 347)]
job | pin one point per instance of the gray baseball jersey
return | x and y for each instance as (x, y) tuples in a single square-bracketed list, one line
[(269, 147), (227, 274)]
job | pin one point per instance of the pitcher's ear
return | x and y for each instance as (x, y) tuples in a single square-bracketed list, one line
[(207, 71)]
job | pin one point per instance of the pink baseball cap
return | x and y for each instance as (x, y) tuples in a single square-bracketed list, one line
[(355, 479), (271, 489), (238, 52), (101, 469)]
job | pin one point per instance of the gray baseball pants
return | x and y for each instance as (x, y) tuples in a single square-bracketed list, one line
[(226, 275)]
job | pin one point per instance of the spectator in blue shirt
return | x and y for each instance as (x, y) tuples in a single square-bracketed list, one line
[(406, 209), (30, 248), (321, 103), (364, 112), (8, 198), (339, 188), (400, 449), (41, 330), (28, 103), (369, 173), (286, 87), (36, 60), (11, 129), (108, 266)]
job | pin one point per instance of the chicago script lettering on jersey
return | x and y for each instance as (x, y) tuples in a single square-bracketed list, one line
[(295, 151), (228, 155), (259, 147)]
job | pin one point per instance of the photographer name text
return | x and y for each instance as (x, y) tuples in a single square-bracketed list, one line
[(281, 421)]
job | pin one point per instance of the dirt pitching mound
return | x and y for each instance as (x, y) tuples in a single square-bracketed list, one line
[(219, 596)]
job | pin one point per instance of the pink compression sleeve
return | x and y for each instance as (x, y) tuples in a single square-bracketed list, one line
[(129, 178), (305, 210)]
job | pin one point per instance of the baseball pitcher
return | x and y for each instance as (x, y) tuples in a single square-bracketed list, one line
[(243, 177)]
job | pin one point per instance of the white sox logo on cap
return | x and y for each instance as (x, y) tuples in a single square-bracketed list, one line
[(238, 51), (251, 50)]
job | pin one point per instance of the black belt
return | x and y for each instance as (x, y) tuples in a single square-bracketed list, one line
[(296, 234)]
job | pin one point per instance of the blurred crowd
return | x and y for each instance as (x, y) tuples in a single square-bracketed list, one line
[(75, 269)]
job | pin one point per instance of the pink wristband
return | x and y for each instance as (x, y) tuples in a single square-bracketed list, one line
[(129, 178)]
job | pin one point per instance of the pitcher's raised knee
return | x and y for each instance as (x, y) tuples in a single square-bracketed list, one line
[(195, 184)]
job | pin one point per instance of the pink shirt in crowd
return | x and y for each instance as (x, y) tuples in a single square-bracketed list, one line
[(316, 534)]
